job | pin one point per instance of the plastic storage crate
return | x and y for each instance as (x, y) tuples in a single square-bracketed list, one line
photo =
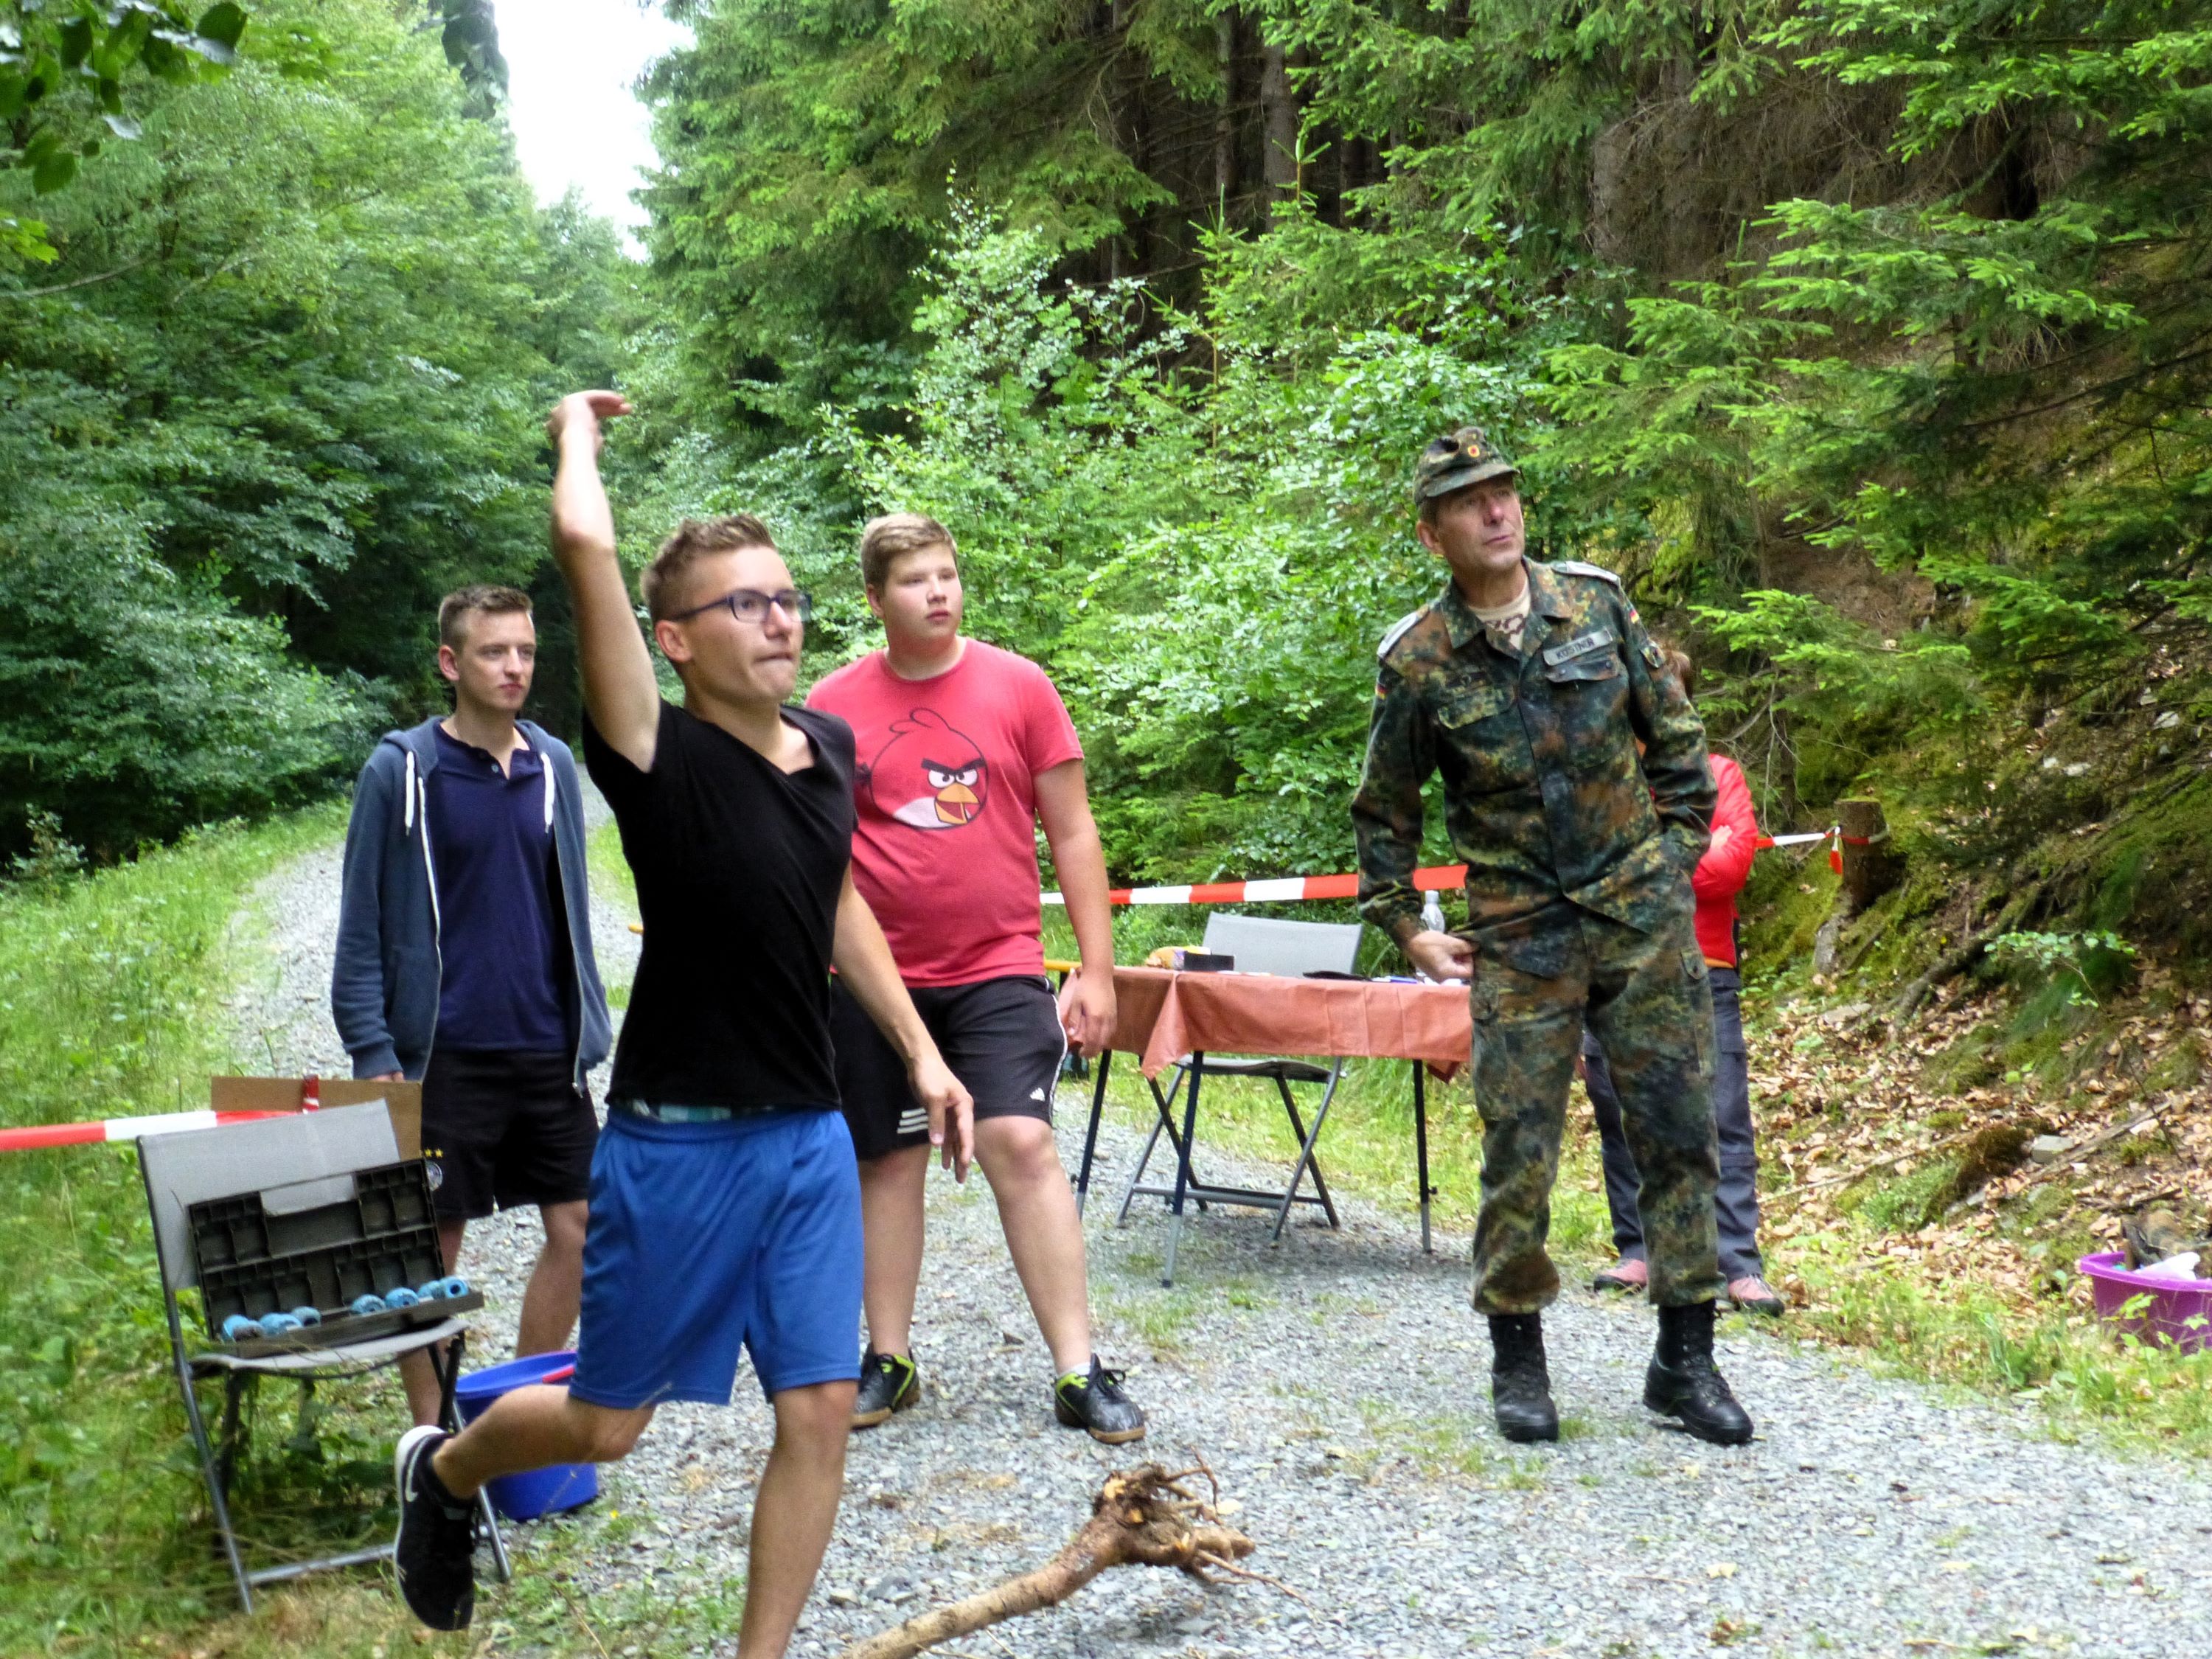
[(382, 1235)]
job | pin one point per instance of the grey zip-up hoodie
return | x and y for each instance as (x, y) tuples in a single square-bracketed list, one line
[(385, 986)]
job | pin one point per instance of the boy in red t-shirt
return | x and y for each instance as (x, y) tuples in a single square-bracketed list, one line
[(962, 749)]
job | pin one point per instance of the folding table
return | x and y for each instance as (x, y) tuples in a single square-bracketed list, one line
[(1162, 1016)]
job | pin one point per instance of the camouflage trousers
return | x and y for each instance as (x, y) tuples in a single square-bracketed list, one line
[(1644, 996)]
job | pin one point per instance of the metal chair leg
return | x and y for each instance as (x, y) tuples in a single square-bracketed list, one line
[(1421, 1151), (230, 1429), (1161, 1107), (1174, 1140), (1182, 1163), (1306, 1159), (449, 1418), (1091, 1134), (214, 1484)]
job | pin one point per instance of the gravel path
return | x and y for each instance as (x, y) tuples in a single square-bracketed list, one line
[(1337, 1387)]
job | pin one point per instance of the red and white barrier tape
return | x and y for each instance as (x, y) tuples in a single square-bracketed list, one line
[(119, 1128), (1437, 878)]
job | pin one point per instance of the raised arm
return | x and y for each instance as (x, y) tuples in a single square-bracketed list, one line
[(1063, 804), (620, 692)]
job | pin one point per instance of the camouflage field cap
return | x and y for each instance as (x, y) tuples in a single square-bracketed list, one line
[(1467, 457)]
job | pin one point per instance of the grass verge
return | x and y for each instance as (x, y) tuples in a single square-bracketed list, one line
[(112, 989)]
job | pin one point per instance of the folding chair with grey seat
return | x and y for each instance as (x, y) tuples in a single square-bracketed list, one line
[(314, 1210), (1258, 945)]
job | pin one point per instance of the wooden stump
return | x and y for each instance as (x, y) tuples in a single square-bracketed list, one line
[(1870, 868)]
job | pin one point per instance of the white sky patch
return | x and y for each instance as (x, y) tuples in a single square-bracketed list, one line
[(572, 66)]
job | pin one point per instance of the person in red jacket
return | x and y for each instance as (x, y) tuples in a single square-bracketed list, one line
[(1719, 877)]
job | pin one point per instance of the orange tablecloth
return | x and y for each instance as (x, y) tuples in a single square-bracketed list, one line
[(1162, 1016)]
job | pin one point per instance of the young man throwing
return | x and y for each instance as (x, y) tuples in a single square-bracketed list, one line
[(464, 918), (725, 1211), (963, 750)]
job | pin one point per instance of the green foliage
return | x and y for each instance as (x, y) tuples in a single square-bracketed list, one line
[(2081, 964), (1780, 307), (2084, 1377), (811, 155), (63, 68), (282, 389), (1204, 557)]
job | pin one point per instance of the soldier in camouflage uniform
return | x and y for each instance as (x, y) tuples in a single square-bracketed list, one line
[(1575, 789)]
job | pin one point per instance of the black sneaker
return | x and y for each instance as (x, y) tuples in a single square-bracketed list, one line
[(889, 1383), (1095, 1403), (435, 1550)]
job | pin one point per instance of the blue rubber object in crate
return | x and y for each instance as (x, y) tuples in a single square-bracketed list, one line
[(533, 1493)]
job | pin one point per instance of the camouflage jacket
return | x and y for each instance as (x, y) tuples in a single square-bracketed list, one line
[(1545, 796)]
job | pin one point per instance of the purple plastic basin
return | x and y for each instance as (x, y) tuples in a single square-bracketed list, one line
[(2173, 1302)]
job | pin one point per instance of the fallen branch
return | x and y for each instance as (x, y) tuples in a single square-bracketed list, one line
[(2096, 1143), (1958, 961), (1146, 1518), (1865, 1170)]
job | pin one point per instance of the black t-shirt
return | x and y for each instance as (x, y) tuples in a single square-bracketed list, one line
[(738, 865)]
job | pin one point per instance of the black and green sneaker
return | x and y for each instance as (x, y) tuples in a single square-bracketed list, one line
[(1097, 1404), (889, 1383)]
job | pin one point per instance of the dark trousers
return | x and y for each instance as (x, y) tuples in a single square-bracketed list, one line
[(1539, 982), (1735, 1202)]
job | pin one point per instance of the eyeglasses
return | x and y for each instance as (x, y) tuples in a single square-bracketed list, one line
[(749, 605)]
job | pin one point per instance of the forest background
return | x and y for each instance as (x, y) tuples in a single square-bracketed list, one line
[(1869, 340)]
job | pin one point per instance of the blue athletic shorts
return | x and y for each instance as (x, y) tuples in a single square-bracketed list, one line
[(706, 1236)]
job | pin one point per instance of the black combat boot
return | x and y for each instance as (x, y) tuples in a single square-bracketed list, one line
[(1682, 1381), (1520, 1386)]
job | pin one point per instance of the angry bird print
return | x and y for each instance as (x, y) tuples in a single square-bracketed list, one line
[(928, 775)]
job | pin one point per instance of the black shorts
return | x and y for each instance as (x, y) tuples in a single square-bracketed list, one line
[(1002, 1038), (502, 1127)]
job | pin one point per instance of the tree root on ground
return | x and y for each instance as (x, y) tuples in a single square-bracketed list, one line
[(1146, 1518), (1963, 957)]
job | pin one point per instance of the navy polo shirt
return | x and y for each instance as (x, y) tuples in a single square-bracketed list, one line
[(504, 947)]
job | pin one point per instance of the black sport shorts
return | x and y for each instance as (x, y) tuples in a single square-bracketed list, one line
[(502, 1127), (1002, 1037)]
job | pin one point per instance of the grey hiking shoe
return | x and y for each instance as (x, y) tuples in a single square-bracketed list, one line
[(1095, 1404)]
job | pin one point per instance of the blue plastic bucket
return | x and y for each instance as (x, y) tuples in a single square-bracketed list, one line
[(533, 1493)]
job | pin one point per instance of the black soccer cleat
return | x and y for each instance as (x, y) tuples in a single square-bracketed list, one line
[(1095, 1404), (1682, 1381), (434, 1552), (1520, 1382), (889, 1383)]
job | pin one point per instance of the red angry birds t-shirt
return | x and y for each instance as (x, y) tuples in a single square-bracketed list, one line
[(945, 850)]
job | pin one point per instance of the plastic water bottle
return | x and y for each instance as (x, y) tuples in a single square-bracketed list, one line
[(1432, 918)]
